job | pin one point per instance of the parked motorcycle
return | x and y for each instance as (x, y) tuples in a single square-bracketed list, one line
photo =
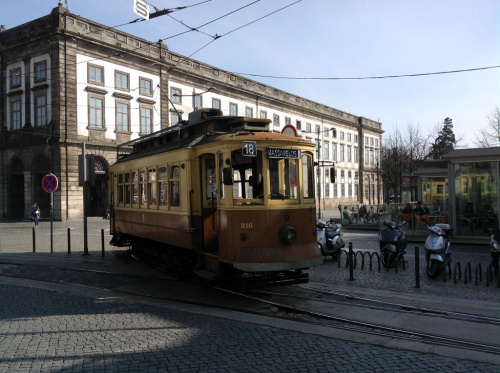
[(438, 249), (329, 238), (495, 249), (392, 241)]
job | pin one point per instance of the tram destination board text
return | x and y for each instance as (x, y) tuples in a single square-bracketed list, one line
[(283, 153)]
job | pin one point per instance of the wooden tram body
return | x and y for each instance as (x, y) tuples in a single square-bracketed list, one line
[(218, 192)]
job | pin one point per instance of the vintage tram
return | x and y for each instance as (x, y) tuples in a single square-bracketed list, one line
[(218, 196)]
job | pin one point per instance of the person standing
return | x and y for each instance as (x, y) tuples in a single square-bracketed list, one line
[(35, 211)]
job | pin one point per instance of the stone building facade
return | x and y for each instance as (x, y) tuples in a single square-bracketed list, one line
[(68, 84)]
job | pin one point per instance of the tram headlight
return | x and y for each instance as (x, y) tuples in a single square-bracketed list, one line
[(288, 235)]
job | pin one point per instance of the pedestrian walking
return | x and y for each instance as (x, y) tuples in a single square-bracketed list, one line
[(340, 209), (35, 213)]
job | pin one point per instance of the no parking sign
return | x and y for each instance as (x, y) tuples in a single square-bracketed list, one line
[(49, 183)]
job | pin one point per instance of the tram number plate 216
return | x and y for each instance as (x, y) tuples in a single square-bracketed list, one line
[(249, 149)]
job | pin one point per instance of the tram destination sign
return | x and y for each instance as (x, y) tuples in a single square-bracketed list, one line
[(283, 153)]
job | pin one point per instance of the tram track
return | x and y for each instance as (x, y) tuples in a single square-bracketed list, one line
[(268, 303), (331, 320)]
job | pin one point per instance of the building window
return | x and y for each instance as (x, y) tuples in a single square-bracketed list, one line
[(288, 121), (355, 138), (176, 95), (122, 116), (356, 157), (349, 156), (334, 133), (249, 112), (146, 114), (122, 81), (96, 111), (233, 109), (298, 124), (308, 127), (348, 137), (175, 119), (216, 103), (341, 135), (341, 153), (327, 150), (318, 129), (198, 102), (276, 119), (145, 87), (15, 114), (95, 74), (334, 152), (40, 71), (40, 109), (15, 78), (376, 142), (263, 114), (371, 141)]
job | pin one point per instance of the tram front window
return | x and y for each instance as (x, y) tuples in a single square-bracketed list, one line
[(283, 178), (247, 175)]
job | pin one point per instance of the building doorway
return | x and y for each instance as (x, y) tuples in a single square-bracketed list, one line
[(99, 192), (16, 206)]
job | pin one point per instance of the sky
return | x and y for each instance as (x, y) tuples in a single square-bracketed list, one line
[(314, 49)]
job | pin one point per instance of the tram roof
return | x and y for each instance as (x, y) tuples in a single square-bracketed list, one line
[(201, 127)]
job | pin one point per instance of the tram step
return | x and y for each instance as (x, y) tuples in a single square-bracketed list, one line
[(203, 273)]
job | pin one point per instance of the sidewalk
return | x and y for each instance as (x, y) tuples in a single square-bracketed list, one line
[(21, 236)]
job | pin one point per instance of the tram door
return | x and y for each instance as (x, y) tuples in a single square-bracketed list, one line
[(209, 203)]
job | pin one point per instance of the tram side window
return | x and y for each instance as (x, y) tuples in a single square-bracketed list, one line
[(121, 190), (163, 185), (283, 178), (307, 177), (174, 186), (210, 181), (143, 187), (152, 191), (135, 188), (221, 178), (128, 189)]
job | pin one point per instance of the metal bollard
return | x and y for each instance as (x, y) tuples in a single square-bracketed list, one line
[(34, 239), (417, 267), (102, 242), (351, 264), (69, 241)]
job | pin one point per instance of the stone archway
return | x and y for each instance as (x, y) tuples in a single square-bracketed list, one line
[(40, 168), (15, 194)]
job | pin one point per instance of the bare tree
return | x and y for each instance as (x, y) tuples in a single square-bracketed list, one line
[(401, 155), (417, 146), (489, 136)]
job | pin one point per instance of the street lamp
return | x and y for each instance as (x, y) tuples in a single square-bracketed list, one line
[(194, 95)]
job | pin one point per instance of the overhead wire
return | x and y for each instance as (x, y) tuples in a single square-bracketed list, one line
[(370, 77)]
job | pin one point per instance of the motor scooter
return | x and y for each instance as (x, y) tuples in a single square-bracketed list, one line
[(329, 238), (437, 249), (392, 241), (495, 249)]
